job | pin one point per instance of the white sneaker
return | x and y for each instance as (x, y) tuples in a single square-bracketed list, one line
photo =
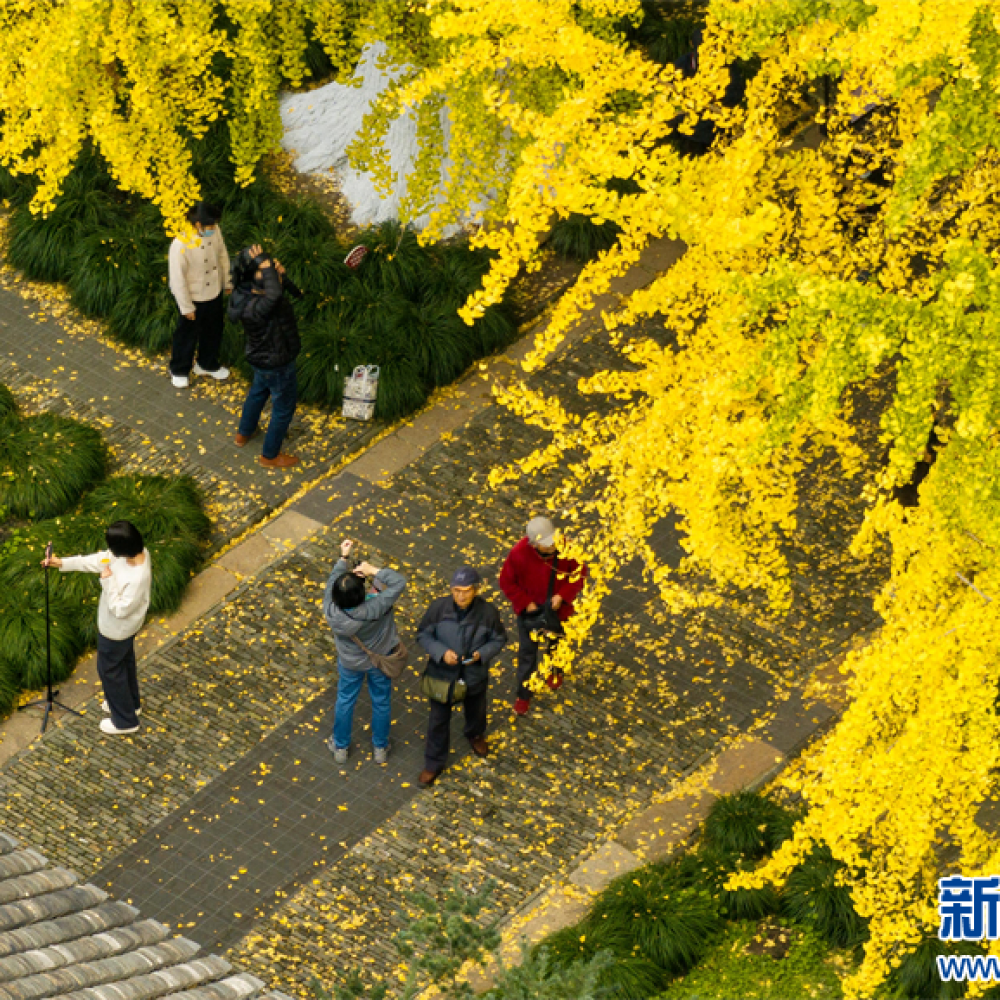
[(220, 373), (179, 381), (107, 726), (339, 755), (107, 711), (381, 755)]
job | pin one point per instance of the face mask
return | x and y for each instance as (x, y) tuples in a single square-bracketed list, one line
[(207, 232)]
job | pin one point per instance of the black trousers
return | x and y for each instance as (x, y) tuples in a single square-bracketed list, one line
[(116, 668), (439, 727), (528, 655), (202, 334)]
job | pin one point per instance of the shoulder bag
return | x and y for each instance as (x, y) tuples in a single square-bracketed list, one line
[(391, 664), (444, 691), (545, 619)]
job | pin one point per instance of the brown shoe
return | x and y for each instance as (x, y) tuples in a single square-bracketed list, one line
[(428, 777), (280, 461), (480, 747), (239, 439)]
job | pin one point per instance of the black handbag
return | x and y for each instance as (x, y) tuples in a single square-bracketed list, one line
[(546, 618)]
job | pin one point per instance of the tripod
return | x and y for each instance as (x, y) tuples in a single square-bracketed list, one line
[(49, 701)]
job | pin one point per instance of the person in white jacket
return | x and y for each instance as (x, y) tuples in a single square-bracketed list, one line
[(199, 273), (126, 579)]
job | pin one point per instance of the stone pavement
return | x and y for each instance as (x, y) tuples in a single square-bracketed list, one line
[(225, 818), (650, 699), (44, 339)]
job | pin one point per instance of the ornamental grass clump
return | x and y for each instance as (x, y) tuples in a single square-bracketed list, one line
[(746, 824), (47, 462), (579, 238), (629, 975), (169, 514), (660, 920), (22, 633), (918, 978), (8, 406), (712, 868), (814, 895), (657, 922)]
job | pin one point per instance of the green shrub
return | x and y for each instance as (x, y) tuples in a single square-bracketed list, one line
[(670, 918), (712, 869), (730, 972), (578, 238), (630, 976), (537, 977), (917, 977), (8, 406), (169, 514), (10, 687), (22, 632), (105, 262), (47, 462), (746, 824), (812, 895)]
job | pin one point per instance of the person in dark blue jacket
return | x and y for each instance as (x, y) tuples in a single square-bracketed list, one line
[(461, 634), (259, 301)]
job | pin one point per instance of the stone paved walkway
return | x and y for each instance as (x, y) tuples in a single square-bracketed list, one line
[(650, 698), (43, 339), (225, 816)]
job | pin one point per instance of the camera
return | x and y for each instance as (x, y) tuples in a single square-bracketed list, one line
[(467, 661)]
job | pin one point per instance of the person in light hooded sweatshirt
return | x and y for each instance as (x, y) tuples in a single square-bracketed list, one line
[(126, 581)]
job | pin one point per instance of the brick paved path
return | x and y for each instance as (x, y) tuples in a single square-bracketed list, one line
[(650, 697), (196, 818), (42, 339)]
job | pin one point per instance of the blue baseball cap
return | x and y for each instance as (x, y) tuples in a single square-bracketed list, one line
[(466, 577)]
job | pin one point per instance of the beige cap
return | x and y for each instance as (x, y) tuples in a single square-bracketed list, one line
[(541, 531)]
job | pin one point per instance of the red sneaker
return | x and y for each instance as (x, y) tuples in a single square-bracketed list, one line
[(554, 680), (521, 706)]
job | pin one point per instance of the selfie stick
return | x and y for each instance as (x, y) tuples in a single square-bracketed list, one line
[(49, 701)]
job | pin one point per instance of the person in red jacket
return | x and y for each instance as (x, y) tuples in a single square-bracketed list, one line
[(540, 601)]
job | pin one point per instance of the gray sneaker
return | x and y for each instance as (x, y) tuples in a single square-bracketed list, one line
[(339, 755), (381, 754)]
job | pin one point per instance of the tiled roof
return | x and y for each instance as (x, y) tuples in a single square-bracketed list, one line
[(59, 938)]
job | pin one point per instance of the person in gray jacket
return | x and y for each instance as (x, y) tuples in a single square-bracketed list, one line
[(462, 634), (361, 619)]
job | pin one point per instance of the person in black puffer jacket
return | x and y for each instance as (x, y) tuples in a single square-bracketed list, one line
[(260, 302)]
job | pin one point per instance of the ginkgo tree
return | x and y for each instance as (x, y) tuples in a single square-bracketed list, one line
[(141, 81), (811, 271)]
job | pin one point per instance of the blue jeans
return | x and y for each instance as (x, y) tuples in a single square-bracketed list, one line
[(280, 384), (349, 683)]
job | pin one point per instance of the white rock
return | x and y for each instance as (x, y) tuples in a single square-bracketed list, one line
[(320, 124)]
